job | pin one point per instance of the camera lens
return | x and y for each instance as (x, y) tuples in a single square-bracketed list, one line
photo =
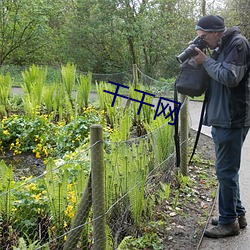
[(190, 50), (187, 53)]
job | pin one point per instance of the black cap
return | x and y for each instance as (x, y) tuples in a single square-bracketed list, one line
[(210, 23)]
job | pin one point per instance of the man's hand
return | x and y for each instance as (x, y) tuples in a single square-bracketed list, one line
[(200, 58)]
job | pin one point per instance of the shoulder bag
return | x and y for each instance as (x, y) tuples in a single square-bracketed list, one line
[(192, 79)]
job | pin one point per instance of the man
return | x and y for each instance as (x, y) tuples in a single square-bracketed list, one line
[(228, 112)]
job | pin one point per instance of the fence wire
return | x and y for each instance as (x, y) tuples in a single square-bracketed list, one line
[(44, 210), (40, 211)]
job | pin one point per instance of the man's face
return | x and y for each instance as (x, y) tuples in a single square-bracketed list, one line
[(211, 38)]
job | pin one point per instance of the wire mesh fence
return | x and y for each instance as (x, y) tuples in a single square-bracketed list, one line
[(55, 210), (46, 210)]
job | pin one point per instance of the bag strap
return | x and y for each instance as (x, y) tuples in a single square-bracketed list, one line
[(200, 126), (201, 116)]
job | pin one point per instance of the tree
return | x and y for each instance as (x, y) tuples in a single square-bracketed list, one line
[(21, 21), (237, 12)]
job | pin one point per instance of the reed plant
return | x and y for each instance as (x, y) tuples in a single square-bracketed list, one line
[(145, 114), (5, 90), (161, 134), (34, 80), (68, 75), (106, 99), (48, 97), (126, 172), (83, 90), (6, 184), (122, 125), (56, 184), (62, 106)]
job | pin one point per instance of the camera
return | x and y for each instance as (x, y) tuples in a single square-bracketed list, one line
[(190, 51)]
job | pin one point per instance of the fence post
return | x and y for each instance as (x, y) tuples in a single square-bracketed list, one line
[(98, 195), (184, 135), (135, 75), (80, 218)]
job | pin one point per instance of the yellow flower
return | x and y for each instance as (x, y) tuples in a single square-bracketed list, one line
[(14, 209), (38, 156), (17, 152), (69, 211), (45, 151), (73, 199), (37, 196), (6, 132), (31, 187)]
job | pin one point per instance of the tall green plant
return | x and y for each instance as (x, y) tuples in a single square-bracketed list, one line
[(122, 125), (5, 90), (62, 106), (162, 137), (56, 185), (48, 98), (6, 184), (106, 100), (145, 114), (83, 90), (33, 85), (126, 171), (137, 179), (68, 74)]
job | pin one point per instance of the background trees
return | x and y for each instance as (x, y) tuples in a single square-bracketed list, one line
[(107, 36)]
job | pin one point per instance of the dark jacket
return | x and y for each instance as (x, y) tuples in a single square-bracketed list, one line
[(229, 90)]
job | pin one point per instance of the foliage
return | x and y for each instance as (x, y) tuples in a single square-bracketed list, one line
[(5, 89), (106, 36), (22, 245), (83, 90), (161, 136), (34, 81), (6, 184), (22, 23), (30, 204), (68, 74), (46, 205), (106, 100), (147, 241), (50, 202), (43, 137)]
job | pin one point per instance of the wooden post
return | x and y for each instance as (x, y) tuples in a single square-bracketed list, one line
[(184, 135), (80, 218), (135, 75), (98, 195)]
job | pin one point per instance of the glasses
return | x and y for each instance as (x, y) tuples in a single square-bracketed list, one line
[(203, 36)]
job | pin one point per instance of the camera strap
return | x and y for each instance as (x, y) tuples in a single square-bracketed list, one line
[(176, 134), (200, 126)]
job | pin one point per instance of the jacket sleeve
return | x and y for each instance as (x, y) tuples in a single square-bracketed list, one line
[(234, 66)]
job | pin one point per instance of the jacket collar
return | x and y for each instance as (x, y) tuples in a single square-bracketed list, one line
[(231, 32)]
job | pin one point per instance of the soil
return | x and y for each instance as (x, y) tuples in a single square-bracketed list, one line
[(186, 223), (25, 164)]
